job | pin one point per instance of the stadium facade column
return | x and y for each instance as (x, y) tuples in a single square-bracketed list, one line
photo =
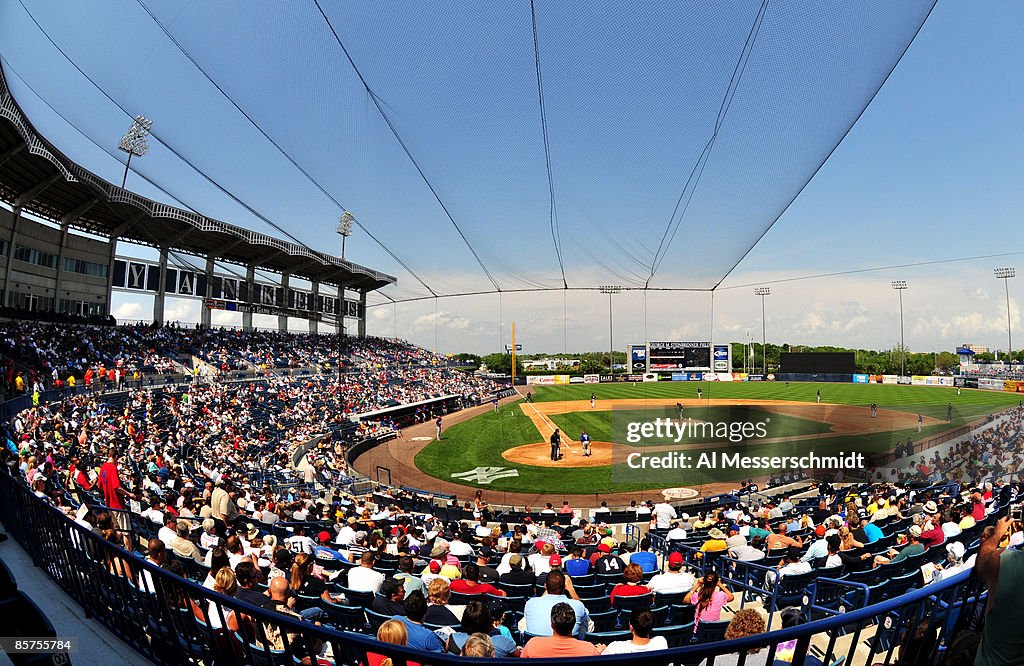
[(282, 320), (161, 291), (8, 299), (314, 294), (205, 313), (65, 228), (24, 198), (250, 279), (362, 313), (339, 313)]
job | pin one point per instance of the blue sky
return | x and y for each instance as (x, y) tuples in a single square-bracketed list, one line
[(931, 170)]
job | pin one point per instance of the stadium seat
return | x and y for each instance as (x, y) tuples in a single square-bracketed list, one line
[(606, 637), (708, 632), (345, 618), (376, 619), (677, 635)]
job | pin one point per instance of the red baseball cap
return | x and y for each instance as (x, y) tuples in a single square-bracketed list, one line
[(556, 560), (675, 558), (435, 566), (604, 548), (324, 536)]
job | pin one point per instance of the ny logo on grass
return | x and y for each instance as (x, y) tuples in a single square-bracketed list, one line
[(485, 475)]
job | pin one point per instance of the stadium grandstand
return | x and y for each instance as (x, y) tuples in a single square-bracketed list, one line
[(190, 493)]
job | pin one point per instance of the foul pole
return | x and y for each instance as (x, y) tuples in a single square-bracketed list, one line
[(513, 354)]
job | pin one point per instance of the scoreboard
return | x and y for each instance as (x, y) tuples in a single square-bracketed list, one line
[(678, 356)]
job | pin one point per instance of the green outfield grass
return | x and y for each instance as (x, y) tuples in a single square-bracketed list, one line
[(927, 400), (480, 442)]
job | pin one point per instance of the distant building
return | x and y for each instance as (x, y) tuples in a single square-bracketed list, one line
[(551, 363), (977, 349)]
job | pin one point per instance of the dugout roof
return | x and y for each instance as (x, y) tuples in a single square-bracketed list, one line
[(35, 174)]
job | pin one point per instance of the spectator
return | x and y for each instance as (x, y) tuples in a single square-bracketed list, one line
[(363, 578), (746, 622), (419, 637), (537, 612), (478, 620), (641, 625), (633, 586), (559, 642), (1001, 570), (709, 596), (673, 581), (395, 633), (438, 611)]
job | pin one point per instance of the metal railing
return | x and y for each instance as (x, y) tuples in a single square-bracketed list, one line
[(172, 620)]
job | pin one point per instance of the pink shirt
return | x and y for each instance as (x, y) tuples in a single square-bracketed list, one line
[(713, 613)]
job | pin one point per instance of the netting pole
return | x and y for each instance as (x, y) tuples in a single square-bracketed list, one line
[(435, 325), (394, 317), (501, 327)]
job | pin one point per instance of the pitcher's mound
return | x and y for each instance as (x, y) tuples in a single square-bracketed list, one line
[(539, 455)]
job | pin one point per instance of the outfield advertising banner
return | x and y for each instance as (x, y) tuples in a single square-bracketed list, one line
[(540, 380), (739, 376), (755, 378), (890, 379), (861, 379), (720, 358), (991, 384), (679, 376), (924, 380), (1013, 386), (650, 377), (638, 358), (591, 379)]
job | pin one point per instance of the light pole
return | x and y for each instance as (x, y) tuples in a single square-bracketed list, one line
[(1005, 274), (344, 230), (762, 292), (610, 289), (900, 286), (134, 142)]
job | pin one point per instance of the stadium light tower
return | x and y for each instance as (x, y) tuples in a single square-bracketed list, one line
[(1005, 274), (134, 142), (345, 229), (900, 286), (762, 292), (610, 289)]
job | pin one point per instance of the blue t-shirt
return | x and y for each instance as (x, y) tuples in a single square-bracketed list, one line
[(420, 637), (538, 615), (576, 567), (648, 561), (873, 532)]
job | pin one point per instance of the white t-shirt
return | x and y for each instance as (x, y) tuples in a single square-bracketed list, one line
[(668, 583), (364, 579), (629, 647), (664, 514)]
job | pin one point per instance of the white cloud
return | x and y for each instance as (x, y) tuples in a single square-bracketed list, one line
[(128, 310)]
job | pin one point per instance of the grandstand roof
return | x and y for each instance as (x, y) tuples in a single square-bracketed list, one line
[(34, 174)]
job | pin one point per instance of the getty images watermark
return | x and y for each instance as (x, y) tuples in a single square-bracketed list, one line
[(722, 443)]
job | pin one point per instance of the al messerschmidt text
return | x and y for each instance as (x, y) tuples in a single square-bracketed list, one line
[(721, 460)]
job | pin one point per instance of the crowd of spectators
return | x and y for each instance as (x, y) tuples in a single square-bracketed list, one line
[(374, 372), (992, 452), (172, 474), (179, 465)]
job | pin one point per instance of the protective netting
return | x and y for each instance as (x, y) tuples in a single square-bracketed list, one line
[(486, 146)]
